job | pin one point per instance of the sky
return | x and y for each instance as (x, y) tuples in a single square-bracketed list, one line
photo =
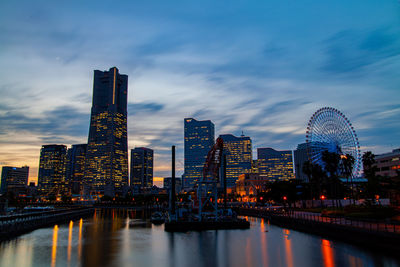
[(261, 67)]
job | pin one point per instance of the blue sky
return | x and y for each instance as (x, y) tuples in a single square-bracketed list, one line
[(262, 67)]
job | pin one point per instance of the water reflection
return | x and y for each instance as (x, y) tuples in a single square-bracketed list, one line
[(125, 241), (71, 225), (80, 240), (288, 248), (327, 253), (263, 239), (54, 248)]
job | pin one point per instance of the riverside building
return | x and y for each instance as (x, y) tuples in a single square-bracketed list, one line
[(14, 179), (141, 168), (52, 167), (238, 157), (274, 164), (199, 139), (106, 167)]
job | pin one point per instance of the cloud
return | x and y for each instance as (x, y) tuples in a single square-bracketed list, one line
[(350, 50), (144, 107), (61, 121)]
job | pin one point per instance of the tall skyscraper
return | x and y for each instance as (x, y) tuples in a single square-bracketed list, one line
[(238, 157), (106, 170), (14, 179), (199, 139), (276, 165), (52, 166), (76, 157), (141, 167)]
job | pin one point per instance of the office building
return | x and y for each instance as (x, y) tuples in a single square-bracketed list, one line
[(199, 139), (141, 168), (14, 179), (388, 164), (238, 157), (52, 169), (300, 157), (76, 157), (275, 165), (106, 170)]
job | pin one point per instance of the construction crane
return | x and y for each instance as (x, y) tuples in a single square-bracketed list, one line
[(207, 192)]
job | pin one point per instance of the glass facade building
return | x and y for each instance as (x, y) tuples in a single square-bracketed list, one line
[(14, 179), (106, 170), (238, 157), (52, 169), (275, 165), (76, 158), (199, 139), (141, 168)]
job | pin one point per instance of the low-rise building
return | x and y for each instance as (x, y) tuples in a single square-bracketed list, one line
[(388, 164), (251, 184)]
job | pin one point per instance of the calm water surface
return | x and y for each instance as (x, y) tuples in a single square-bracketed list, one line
[(120, 238)]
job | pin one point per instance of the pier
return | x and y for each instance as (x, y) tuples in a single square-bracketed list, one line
[(14, 225), (372, 234)]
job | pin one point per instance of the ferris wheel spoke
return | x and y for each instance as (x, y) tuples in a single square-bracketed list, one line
[(328, 127)]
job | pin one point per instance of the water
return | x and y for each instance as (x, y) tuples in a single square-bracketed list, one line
[(118, 238)]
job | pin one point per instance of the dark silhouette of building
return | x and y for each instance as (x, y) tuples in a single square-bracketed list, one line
[(76, 157), (199, 139), (300, 156), (167, 182), (14, 179), (274, 164), (141, 168), (106, 170), (52, 166), (238, 157)]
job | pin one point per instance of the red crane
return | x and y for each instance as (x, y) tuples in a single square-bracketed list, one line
[(207, 194)]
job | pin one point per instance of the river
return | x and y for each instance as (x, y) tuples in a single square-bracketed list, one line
[(119, 238)]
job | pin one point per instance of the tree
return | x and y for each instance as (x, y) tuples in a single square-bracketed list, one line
[(332, 161), (347, 164), (316, 175), (373, 183)]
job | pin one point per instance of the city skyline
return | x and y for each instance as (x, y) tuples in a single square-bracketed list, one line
[(257, 78)]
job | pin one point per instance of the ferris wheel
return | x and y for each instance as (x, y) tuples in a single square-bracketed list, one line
[(328, 129)]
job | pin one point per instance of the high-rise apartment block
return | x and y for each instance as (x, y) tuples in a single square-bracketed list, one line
[(106, 168), (141, 168), (275, 165), (238, 157), (76, 157), (199, 139), (14, 179), (52, 167)]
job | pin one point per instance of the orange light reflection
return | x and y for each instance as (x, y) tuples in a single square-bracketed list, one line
[(71, 225), (264, 248), (54, 248), (80, 240), (288, 248), (327, 253)]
